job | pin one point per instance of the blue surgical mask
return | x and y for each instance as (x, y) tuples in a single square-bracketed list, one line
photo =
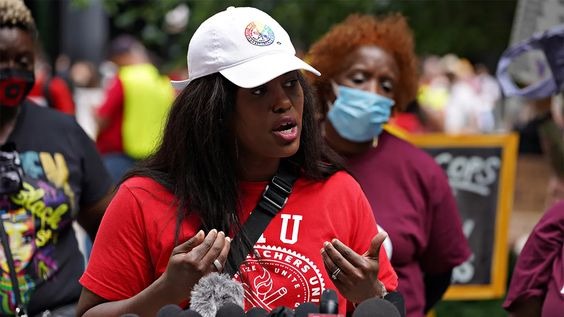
[(358, 115)]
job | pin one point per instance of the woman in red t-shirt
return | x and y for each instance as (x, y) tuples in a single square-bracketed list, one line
[(244, 110)]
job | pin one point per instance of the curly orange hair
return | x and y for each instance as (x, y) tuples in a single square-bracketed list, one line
[(391, 33)]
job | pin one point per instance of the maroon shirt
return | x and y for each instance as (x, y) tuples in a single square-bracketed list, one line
[(539, 271), (412, 201)]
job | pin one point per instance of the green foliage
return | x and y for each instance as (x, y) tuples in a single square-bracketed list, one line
[(80, 3), (472, 28), (469, 28)]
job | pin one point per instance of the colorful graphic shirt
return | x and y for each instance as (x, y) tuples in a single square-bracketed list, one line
[(412, 200), (539, 271), (62, 171), (287, 268)]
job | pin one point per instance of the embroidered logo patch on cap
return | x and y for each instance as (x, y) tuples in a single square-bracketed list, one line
[(259, 34)]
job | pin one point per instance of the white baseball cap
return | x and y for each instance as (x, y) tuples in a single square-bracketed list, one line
[(245, 45)]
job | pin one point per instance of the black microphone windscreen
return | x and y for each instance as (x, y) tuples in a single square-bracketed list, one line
[(257, 312), (376, 307), (329, 303), (304, 309), (170, 310), (230, 310), (129, 315), (189, 313), (396, 298), (281, 311)]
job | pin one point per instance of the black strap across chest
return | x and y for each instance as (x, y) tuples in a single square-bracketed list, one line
[(273, 199)]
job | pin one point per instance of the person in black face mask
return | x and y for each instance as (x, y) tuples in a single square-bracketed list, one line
[(16, 65), (62, 179)]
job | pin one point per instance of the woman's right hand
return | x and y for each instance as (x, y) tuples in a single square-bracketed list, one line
[(193, 259), (188, 263)]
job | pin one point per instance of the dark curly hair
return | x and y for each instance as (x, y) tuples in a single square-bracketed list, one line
[(391, 33)]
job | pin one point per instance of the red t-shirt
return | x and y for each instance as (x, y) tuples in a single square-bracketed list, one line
[(408, 122), (539, 271), (60, 96), (290, 259), (109, 139), (414, 204)]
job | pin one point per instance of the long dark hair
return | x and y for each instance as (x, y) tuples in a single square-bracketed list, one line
[(196, 160)]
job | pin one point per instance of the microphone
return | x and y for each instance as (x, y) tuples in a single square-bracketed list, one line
[(329, 303), (214, 291), (189, 313), (129, 315), (257, 312), (305, 309), (170, 310), (376, 307), (396, 298), (230, 310), (281, 311)]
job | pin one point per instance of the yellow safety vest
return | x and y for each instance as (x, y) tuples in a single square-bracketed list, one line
[(147, 99)]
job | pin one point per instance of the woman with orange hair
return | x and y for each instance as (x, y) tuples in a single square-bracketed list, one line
[(368, 65)]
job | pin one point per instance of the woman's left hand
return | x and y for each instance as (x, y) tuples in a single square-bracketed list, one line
[(355, 275)]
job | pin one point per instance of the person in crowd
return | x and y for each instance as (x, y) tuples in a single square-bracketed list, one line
[(489, 93), (537, 284), (464, 106), (367, 65), (88, 94), (50, 176), (246, 110), (131, 118), (433, 92), (50, 90)]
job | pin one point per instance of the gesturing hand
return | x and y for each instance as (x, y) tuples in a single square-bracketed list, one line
[(356, 276), (193, 259)]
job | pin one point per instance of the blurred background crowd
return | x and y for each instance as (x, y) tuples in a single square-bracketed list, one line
[(459, 43)]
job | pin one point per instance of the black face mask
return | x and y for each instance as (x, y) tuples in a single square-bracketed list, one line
[(15, 85)]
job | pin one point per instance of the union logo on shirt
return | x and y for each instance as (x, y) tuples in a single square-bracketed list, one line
[(276, 276)]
